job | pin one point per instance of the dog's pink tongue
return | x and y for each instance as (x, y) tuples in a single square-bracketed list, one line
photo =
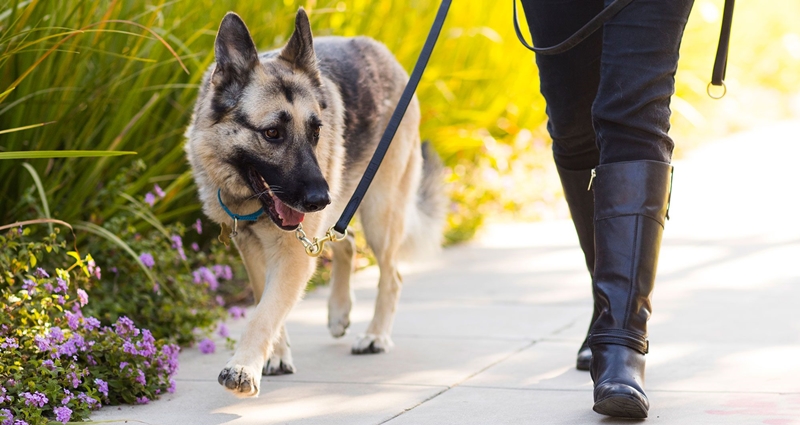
[(289, 216)]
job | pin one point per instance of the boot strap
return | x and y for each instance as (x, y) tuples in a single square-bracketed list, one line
[(629, 339)]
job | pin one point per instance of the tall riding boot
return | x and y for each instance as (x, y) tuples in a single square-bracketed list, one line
[(581, 206), (631, 203)]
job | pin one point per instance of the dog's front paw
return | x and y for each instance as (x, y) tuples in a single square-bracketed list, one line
[(279, 365), (242, 381), (372, 344)]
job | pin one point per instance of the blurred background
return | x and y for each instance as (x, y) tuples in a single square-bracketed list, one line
[(116, 86)]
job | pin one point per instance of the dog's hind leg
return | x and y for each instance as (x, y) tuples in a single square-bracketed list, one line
[(280, 362), (383, 214), (341, 299)]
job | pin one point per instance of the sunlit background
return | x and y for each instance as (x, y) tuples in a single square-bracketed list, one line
[(115, 86)]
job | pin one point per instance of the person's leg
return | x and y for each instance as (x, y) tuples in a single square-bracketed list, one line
[(631, 192), (569, 83)]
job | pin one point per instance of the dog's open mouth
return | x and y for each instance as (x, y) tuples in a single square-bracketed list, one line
[(281, 214)]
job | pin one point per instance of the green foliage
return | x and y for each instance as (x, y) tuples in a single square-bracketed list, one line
[(57, 362)]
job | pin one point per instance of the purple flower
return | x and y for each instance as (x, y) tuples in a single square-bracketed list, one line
[(124, 326), (195, 247), (61, 300), (129, 348), (149, 198), (220, 300), (142, 400), (83, 297), (147, 259), (29, 286), (40, 273), (73, 320), (49, 364), (3, 397), (171, 352), (198, 225), (90, 323), (67, 397), (86, 399), (147, 347), (122, 365), (56, 335), (94, 269), (236, 312), (223, 330), (177, 243), (76, 380), (102, 386), (48, 287), (20, 422), (172, 385), (62, 414), (159, 192), (6, 414), (19, 232), (203, 274), (140, 378), (36, 399), (61, 286), (42, 343), (10, 343), (206, 346), (223, 271)]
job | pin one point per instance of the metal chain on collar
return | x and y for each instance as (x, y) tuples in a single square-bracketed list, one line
[(314, 248)]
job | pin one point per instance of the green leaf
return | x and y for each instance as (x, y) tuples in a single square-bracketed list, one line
[(62, 154)]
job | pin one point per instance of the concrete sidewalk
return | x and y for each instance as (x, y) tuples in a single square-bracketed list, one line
[(487, 333)]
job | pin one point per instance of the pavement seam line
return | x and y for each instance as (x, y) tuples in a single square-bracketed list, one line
[(487, 367)]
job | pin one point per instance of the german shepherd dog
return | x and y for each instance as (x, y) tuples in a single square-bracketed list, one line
[(292, 131)]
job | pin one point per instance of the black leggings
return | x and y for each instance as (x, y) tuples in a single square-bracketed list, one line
[(608, 98)]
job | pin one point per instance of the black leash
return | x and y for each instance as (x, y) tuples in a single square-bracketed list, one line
[(720, 63), (394, 122)]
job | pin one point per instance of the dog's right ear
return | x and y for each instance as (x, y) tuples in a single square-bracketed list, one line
[(235, 52)]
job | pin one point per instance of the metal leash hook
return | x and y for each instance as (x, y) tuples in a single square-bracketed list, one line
[(314, 248)]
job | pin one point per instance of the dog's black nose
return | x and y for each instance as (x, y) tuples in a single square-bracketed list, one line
[(316, 200)]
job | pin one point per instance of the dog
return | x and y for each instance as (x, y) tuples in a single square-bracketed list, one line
[(291, 131)]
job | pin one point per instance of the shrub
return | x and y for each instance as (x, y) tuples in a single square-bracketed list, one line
[(56, 361)]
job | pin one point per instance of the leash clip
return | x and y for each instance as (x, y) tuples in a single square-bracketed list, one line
[(314, 248)]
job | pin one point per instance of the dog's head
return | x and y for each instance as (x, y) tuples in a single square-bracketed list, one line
[(257, 132)]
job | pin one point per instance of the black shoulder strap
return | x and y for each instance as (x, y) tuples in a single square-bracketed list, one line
[(575, 39), (720, 63), (394, 122)]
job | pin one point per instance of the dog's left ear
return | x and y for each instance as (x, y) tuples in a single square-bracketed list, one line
[(299, 51)]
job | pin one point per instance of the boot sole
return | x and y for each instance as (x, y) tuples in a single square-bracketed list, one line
[(621, 407)]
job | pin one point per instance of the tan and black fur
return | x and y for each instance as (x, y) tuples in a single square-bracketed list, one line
[(326, 101)]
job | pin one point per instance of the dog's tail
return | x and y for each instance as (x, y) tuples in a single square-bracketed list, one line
[(425, 218)]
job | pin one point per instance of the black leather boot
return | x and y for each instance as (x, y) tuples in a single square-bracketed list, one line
[(631, 203), (581, 206)]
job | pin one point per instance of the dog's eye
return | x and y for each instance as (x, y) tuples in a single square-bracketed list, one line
[(316, 131), (272, 133)]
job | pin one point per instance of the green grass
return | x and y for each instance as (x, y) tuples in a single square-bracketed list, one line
[(110, 76)]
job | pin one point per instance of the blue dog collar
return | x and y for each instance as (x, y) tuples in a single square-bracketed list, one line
[(236, 217)]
